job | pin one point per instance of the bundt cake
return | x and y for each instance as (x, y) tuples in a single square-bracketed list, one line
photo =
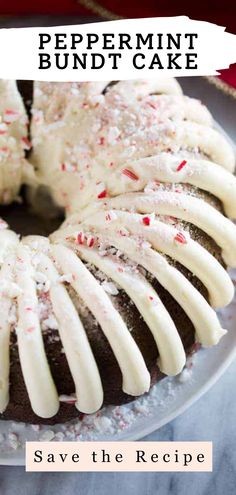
[(117, 297)]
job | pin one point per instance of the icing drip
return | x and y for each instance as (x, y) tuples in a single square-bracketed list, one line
[(5, 327), (89, 393), (172, 355), (38, 380), (136, 379)]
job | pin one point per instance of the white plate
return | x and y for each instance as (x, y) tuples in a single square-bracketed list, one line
[(165, 401)]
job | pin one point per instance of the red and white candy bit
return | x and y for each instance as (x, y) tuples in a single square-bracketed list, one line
[(181, 165), (146, 221), (30, 329), (153, 104), (101, 190), (83, 239), (80, 239), (10, 116), (123, 232), (90, 241), (102, 194), (180, 237), (69, 399), (131, 175), (101, 141), (111, 215), (153, 300), (26, 143)]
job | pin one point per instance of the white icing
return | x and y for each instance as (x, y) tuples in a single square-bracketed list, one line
[(5, 327), (136, 379), (172, 355), (204, 318), (37, 376), (162, 237), (142, 87), (200, 173), (82, 364), (184, 207)]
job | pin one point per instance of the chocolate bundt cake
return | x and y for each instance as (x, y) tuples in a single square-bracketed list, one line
[(124, 290)]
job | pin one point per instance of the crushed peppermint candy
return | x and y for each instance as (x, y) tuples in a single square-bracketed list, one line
[(123, 232), (131, 175), (90, 241), (153, 300), (102, 194), (180, 238), (80, 239), (148, 219), (110, 288), (101, 141), (10, 116), (47, 436), (111, 215), (185, 375), (26, 143), (103, 423), (13, 440), (69, 399), (83, 239), (113, 135), (30, 329), (68, 167), (109, 423), (101, 190), (50, 323), (181, 165)]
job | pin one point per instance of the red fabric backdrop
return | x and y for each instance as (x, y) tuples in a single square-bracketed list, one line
[(222, 13)]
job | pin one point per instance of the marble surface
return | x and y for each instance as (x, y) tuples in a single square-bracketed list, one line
[(211, 418)]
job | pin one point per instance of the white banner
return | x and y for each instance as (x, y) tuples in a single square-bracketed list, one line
[(123, 49)]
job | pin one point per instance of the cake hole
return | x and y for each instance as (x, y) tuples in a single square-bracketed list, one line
[(27, 218)]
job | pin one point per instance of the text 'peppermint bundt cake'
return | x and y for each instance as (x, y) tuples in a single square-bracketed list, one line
[(118, 296)]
